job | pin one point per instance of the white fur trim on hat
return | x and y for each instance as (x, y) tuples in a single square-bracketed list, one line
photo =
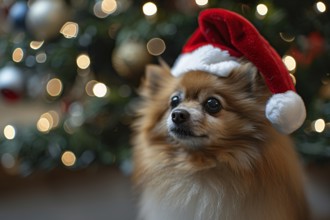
[(206, 58), (286, 111)]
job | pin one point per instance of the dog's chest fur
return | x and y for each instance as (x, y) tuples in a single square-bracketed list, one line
[(196, 197)]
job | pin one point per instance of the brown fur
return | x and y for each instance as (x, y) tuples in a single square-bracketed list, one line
[(241, 169)]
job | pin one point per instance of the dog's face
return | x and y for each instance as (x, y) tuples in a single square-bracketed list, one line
[(203, 114), (195, 108)]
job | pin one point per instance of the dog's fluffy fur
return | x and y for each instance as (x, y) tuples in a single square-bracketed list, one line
[(230, 165)]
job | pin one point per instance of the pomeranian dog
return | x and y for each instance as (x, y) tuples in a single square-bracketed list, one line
[(204, 150)]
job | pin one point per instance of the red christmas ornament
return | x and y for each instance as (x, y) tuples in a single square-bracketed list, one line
[(312, 47), (11, 83)]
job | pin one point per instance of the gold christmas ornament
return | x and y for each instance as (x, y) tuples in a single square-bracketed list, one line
[(324, 92), (130, 58)]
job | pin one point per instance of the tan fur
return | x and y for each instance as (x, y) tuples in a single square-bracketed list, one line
[(242, 169)]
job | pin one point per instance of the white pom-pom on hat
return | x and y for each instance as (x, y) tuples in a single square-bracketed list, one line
[(286, 111), (215, 47)]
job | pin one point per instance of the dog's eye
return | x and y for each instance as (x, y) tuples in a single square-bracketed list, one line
[(175, 101), (212, 106)]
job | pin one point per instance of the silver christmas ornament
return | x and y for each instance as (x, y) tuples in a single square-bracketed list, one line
[(46, 17)]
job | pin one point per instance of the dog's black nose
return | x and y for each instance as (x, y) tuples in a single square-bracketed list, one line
[(180, 115)]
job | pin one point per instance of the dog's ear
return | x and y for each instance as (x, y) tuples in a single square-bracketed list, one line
[(250, 80), (155, 78), (163, 64)]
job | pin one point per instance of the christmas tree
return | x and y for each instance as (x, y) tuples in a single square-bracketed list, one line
[(69, 71)]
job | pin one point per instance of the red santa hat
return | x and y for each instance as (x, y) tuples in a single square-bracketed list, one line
[(221, 38)]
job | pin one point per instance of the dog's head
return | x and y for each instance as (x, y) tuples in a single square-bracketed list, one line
[(201, 113)]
